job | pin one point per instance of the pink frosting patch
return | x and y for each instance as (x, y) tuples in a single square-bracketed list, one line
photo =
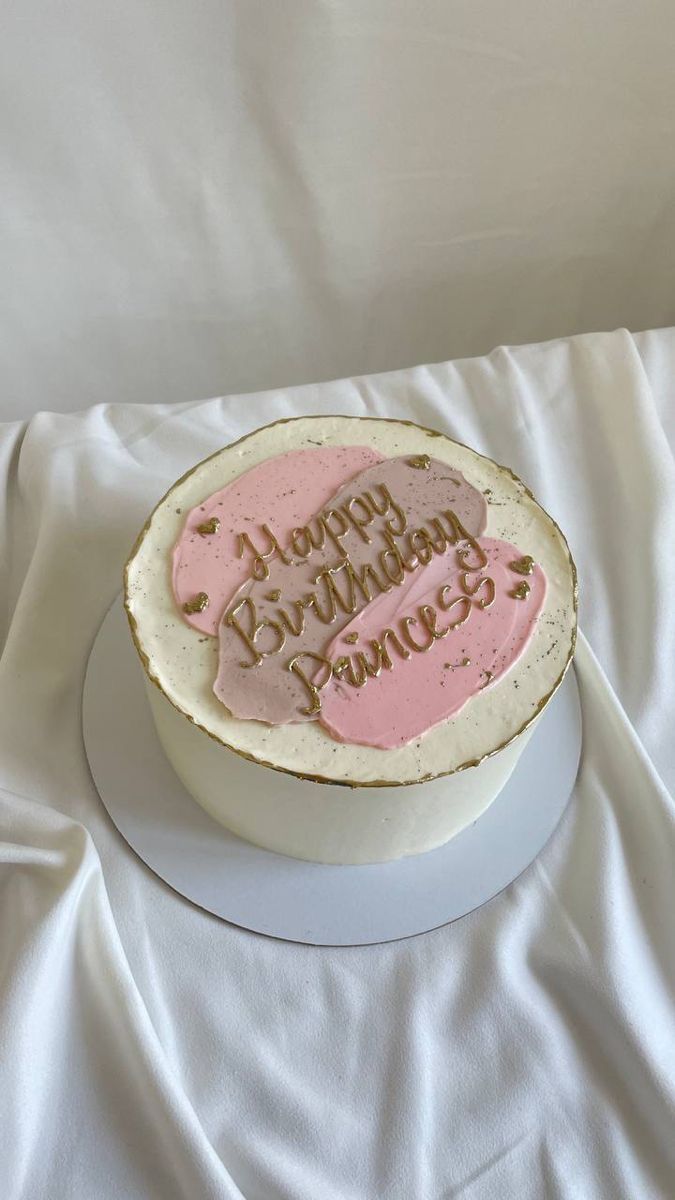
[(283, 492), (427, 688)]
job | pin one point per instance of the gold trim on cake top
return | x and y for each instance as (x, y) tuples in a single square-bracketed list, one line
[(316, 778)]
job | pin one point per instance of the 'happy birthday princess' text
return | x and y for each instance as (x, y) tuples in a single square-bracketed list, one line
[(343, 587)]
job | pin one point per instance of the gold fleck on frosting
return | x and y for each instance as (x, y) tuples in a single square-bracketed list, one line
[(522, 591), (352, 637), (197, 604), (421, 462), (208, 527), (275, 594), (523, 566)]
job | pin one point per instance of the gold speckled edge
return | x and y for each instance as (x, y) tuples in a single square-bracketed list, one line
[(351, 783)]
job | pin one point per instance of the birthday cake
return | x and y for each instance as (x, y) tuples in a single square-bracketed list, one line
[(349, 627)]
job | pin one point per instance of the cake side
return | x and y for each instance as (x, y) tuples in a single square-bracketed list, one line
[(183, 662)]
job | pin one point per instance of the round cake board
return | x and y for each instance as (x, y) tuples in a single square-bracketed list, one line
[(285, 897)]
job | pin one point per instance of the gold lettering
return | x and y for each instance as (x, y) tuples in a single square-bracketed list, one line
[(429, 620), (399, 519), (335, 535), (345, 670), (373, 669), (478, 551), (388, 635), (341, 666), (457, 531), (426, 551), (357, 670), (346, 587), (459, 534), (359, 523), (249, 636), (313, 688), (361, 577), (403, 563), (442, 541), (380, 509), (260, 568), (304, 539), (484, 580), (332, 598), (298, 626), (448, 605), (406, 622)]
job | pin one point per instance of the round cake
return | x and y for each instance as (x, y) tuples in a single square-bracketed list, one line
[(349, 627)]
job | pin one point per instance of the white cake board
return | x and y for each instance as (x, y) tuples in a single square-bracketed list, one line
[(285, 897)]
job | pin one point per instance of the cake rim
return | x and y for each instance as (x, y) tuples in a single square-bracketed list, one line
[(316, 777)]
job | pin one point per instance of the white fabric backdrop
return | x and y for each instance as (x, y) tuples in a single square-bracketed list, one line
[(209, 196), (149, 1050)]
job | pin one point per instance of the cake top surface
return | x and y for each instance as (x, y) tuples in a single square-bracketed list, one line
[(290, 568)]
